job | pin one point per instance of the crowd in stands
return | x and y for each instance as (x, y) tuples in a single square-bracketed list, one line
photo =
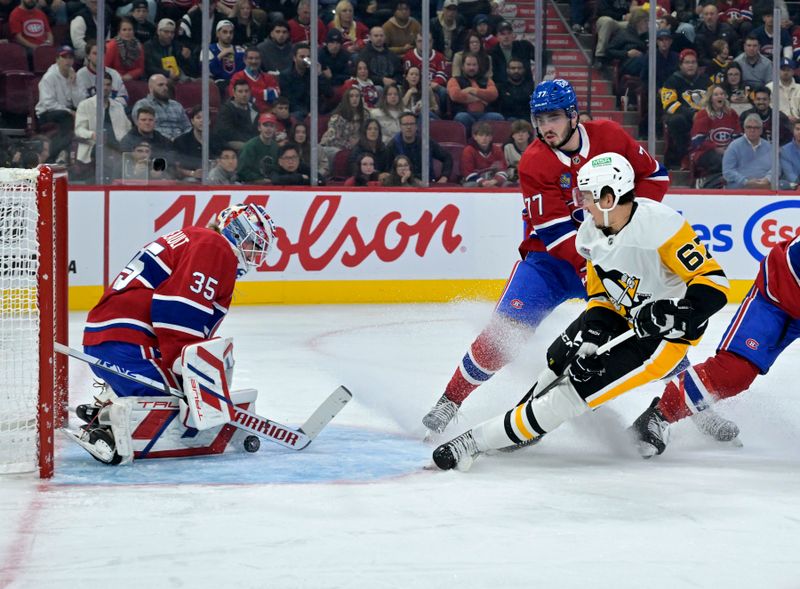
[(713, 74), (368, 79)]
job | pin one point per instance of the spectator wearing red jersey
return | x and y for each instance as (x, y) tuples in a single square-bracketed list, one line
[(125, 52), (471, 95), (714, 127), (482, 162), (354, 33), (401, 29), (264, 87), (437, 66), (738, 14), (175, 9), (361, 80), (300, 26), (29, 27)]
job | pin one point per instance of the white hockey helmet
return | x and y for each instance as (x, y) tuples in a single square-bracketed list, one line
[(607, 169), (250, 230)]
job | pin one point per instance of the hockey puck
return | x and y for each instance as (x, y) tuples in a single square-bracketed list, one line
[(252, 444)]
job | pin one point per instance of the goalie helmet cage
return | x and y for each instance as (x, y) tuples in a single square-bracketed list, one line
[(33, 315)]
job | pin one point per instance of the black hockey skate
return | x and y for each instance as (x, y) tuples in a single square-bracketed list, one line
[(458, 453), (99, 442), (440, 415), (651, 431)]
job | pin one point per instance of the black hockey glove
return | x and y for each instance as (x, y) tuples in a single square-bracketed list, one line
[(587, 364), (665, 318)]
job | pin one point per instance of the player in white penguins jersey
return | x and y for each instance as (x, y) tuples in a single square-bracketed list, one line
[(646, 270)]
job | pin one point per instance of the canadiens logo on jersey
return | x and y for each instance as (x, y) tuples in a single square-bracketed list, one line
[(621, 288), (721, 135)]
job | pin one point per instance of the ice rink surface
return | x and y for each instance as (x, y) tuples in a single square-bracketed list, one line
[(357, 508)]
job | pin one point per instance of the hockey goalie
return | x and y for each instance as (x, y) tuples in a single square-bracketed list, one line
[(157, 320)]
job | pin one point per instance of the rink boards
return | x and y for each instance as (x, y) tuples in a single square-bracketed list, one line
[(364, 246)]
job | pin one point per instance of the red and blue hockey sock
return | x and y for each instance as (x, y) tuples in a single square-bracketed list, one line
[(721, 376)]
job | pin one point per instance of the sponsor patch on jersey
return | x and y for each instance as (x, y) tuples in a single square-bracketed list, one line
[(517, 304), (751, 343), (565, 180)]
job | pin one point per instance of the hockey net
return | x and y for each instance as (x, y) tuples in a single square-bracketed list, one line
[(33, 267)]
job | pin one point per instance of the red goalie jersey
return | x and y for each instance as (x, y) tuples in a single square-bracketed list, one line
[(549, 176), (174, 292)]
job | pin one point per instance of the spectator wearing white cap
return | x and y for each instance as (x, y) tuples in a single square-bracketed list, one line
[(225, 58), (166, 56)]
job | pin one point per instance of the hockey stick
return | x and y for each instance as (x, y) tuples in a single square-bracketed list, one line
[(610, 344), (283, 435)]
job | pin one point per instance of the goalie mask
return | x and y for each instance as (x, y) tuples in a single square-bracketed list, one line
[(607, 170), (250, 230)]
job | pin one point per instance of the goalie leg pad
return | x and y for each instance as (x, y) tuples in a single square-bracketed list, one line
[(206, 368), (158, 430)]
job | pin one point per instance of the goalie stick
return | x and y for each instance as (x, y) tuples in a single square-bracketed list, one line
[(257, 425)]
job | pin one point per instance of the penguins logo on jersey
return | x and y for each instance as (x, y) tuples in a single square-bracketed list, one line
[(621, 288)]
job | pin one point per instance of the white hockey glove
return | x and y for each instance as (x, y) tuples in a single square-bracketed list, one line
[(664, 318)]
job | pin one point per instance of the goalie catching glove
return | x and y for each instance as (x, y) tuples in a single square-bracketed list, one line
[(665, 318)]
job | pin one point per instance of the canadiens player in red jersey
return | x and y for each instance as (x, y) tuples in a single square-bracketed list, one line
[(764, 325), (173, 293), (551, 270)]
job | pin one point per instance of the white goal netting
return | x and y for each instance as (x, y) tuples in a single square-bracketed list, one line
[(19, 321)]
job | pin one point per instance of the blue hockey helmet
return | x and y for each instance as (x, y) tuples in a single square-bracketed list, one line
[(552, 95)]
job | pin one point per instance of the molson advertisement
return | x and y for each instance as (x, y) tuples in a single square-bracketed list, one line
[(339, 246)]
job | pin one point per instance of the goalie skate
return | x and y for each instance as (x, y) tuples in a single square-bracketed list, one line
[(442, 413), (458, 453), (712, 424), (651, 431), (97, 441)]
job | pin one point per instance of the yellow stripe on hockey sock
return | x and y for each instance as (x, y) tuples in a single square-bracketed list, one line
[(662, 362), (521, 424)]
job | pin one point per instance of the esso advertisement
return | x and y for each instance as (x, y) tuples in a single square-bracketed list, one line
[(770, 225), (739, 229), (335, 236)]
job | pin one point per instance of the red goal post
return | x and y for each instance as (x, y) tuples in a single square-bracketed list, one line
[(33, 315)]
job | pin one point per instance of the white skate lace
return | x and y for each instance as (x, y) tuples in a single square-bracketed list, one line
[(464, 445), (712, 424), (441, 415)]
